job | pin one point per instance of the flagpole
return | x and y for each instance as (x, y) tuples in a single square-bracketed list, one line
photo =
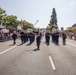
[(21, 23), (36, 22)]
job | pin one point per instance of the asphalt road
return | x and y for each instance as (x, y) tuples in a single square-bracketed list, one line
[(49, 60)]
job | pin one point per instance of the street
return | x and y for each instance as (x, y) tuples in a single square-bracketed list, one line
[(49, 60)]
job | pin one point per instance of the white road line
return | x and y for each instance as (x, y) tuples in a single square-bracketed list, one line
[(7, 50), (71, 44), (52, 63)]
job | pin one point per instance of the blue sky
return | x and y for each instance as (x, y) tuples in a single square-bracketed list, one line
[(33, 10)]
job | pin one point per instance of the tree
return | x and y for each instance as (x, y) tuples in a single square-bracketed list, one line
[(48, 27), (51, 27), (11, 21), (27, 25), (53, 21), (54, 26), (2, 15), (53, 17), (68, 29), (74, 29)]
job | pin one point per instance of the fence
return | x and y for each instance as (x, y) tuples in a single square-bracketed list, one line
[(5, 38)]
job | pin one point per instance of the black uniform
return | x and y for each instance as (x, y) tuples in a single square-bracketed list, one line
[(22, 37), (14, 36), (64, 38), (57, 38), (38, 39), (47, 37)]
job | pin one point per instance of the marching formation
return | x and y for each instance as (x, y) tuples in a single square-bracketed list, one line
[(38, 34)]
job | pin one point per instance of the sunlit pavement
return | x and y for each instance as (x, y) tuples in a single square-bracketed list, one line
[(49, 60)]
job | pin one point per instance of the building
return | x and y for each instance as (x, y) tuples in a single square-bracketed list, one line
[(1, 27)]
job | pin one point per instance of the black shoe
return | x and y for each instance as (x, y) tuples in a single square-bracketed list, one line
[(38, 48), (64, 44)]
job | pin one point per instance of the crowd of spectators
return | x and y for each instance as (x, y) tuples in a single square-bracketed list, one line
[(5, 37)]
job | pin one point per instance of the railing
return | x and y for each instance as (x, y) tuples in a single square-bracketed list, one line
[(5, 38)]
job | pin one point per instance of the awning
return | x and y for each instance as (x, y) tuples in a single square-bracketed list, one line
[(4, 31)]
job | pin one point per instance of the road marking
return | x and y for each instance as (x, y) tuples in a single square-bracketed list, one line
[(52, 63), (7, 50), (71, 44)]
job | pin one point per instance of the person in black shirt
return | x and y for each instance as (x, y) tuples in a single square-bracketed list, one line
[(38, 38), (57, 37), (22, 36), (64, 38), (14, 36), (47, 37)]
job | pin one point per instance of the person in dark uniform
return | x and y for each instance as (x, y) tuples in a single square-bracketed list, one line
[(25, 36), (64, 38), (53, 35), (22, 36), (14, 36), (57, 37), (38, 38), (30, 37), (47, 37)]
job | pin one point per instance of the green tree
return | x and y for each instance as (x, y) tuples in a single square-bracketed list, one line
[(54, 26), (51, 27), (74, 29), (53, 17), (11, 22), (68, 29), (53, 21), (48, 27), (2, 15), (27, 25)]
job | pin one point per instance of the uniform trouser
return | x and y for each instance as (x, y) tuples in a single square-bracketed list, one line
[(48, 39), (14, 41), (22, 40), (38, 43), (54, 38), (57, 40), (33, 38), (26, 38), (30, 39), (64, 41)]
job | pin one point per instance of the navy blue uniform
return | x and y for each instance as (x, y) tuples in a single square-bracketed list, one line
[(47, 37), (64, 38), (22, 37), (38, 39)]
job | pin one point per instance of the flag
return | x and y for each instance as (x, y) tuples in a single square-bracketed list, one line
[(22, 23)]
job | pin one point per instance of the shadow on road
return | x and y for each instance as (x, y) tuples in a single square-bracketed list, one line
[(36, 49), (28, 44), (11, 44), (19, 44), (33, 50)]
